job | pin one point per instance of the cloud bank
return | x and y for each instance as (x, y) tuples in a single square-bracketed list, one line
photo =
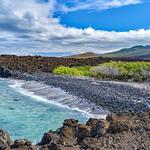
[(28, 26), (96, 4)]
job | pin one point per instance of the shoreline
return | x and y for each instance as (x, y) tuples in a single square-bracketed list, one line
[(115, 132), (116, 97), (58, 97)]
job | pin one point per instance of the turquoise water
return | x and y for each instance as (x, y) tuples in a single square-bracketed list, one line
[(25, 117)]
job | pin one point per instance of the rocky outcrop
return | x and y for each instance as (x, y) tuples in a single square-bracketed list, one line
[(4, 72), (5, 140), (114, 133), (23, 144)]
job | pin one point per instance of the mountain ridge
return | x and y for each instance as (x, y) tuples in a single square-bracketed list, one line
[(135, 52)]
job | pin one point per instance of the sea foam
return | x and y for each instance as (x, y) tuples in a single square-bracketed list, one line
[(47, 94)]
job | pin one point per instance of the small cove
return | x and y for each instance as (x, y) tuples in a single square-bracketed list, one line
[(25, 115)]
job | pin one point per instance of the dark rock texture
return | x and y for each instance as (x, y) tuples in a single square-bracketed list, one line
[(4, 72), (33, 64), (114, 133), (5, 140), (116, 97)]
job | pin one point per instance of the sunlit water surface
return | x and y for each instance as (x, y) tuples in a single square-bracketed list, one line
[(26, 116)]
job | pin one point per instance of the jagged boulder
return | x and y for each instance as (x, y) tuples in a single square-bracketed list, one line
[(84, 131), (70, 122), (4, 72), (67, 136), (92, 122), (49, 138), (111, 118), (120, 124), (5, 140), (22, 143), (100, 128), (118, 127)]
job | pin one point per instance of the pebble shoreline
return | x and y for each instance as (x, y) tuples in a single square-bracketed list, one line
[(113, 133), (116, 97)]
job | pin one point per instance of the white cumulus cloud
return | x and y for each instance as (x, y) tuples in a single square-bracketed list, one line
[(28, 26)]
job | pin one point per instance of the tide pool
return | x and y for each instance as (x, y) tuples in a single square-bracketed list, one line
[(25, 117)]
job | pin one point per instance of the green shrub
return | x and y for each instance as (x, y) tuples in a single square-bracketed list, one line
[(68, 71), (136, 71), (85, 70), (105, 71)]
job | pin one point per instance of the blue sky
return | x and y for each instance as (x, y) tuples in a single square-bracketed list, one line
[(124, 18), (76, 26)]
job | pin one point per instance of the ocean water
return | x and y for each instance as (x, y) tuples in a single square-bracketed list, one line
[(27, 115)]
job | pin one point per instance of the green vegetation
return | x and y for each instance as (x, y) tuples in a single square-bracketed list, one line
[(135, 71), (74, 71), (67, 71), (85, 69)]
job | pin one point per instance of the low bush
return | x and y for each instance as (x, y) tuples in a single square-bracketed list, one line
[(62, 70), (85, 70), (136, 71), (104, 71)]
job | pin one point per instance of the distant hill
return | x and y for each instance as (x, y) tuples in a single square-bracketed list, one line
[(85, 55), (141, 52), (136, 52)]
